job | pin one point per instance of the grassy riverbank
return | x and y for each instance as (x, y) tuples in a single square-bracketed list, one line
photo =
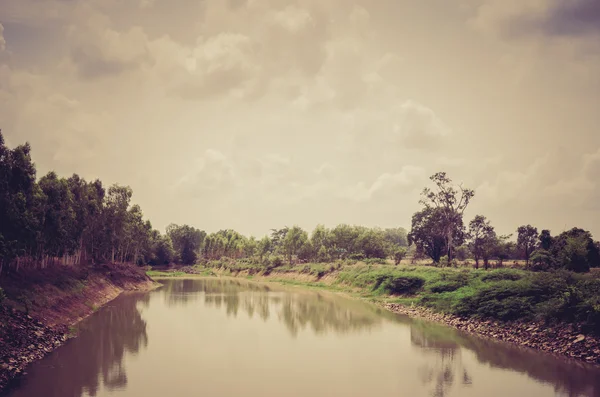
[(500, 294)]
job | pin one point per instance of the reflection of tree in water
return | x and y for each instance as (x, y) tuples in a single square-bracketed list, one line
[(297, 310), (568, 378), (95, 356), (446, 367), (324, 314), (572, 379)]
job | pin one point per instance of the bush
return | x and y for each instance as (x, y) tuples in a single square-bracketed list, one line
[(449, 281), (2, 296), (398, 285), (276, 262), (504, 274)]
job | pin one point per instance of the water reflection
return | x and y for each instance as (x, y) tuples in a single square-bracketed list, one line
[(300, 310), (205, 330), (95, 358), (572, 379), (447, 366)]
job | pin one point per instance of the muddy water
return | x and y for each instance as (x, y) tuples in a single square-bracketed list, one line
[(223, 337)]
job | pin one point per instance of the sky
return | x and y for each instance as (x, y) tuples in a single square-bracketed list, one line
[(256, 114)]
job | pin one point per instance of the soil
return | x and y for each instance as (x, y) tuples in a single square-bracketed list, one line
[(42, 305)]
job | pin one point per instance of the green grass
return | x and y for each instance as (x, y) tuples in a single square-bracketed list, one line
[(156, 273), (500, 294)]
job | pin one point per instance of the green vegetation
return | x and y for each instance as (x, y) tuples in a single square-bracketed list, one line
[(499, 294), (53, 220), (155, 273)]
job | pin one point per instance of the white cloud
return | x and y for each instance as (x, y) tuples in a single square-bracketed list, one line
[(211, 173), (389, 184)]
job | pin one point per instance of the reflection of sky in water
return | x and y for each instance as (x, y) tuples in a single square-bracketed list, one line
[(223, 337)]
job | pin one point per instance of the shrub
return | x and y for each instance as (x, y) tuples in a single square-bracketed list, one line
[(504, 274), (398, 285), (276, 262), (449, 281)]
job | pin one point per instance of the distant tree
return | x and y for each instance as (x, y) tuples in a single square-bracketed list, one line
[(187, 241), (294, 239), (503, 248), (481, 239), (396, 237), (371, 243), (264, 247), (545, 240), (527, 238), (429, 234), (343, 239), (399, 254), (450, 203), (575, 250)]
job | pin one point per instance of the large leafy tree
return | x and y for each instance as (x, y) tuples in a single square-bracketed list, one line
[(527, 238), (429, 234), (187, 241), (450, 201), (294, 239)]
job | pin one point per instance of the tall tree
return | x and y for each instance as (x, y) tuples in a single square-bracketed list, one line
[(545, 240), (451, 201), (428, 232), (294, 239), (527, 237), (481, 238)]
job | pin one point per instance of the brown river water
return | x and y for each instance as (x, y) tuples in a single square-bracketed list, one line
[(232, 337)]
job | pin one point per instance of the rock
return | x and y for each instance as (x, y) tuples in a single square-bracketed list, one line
[(580, 338)]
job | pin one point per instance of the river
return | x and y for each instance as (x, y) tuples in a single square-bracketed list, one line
[(232, 337)]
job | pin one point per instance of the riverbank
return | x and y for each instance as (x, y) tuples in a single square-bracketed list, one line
[(552, 312), (42, 307)]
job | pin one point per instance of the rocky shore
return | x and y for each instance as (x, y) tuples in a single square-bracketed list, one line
[(23, 340), (565, 340), (57, 299)]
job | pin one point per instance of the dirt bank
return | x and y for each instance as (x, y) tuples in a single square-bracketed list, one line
[(41, 307)]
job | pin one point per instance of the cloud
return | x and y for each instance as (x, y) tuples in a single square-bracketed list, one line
[(100, 51), (210, 174), (546, 17), (2, 40), (387, 184), (219, 65), (418, 127)]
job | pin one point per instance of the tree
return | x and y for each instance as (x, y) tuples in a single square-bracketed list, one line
[(504, 248), (396, 237), (575, 250), (545, 240), (343, 239), (451, 202), (187, 241), (294, 239), (428, 232), (264, 247), (372, 244), (526, 240), (481, 237), (399, 254)]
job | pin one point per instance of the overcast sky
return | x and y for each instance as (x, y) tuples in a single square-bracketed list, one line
[(255, 114)]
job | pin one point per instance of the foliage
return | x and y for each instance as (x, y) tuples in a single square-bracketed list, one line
[(450, 202), (429, 235), (527, 237)]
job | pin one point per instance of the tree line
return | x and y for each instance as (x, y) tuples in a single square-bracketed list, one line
[(57, 220), (438, 232), (73, 221)]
